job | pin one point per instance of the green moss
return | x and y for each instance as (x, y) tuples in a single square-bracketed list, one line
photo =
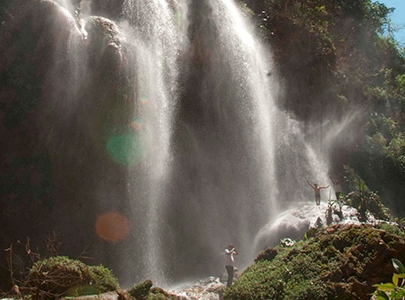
[(267, 254), (60, 276), (141, 290), (160, 294), (392, 228), (337, 262), (144, 291)]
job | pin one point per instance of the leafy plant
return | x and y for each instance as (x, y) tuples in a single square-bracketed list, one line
[(392, 290)]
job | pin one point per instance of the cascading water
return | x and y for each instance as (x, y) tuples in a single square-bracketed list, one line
[(187, 150), (223, 174), (155, 38)]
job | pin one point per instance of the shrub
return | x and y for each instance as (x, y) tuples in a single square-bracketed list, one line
[(60, 276)]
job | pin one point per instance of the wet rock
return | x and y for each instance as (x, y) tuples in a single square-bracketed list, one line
[(294, 223), (104, 296), (103, 44), (210, 288), (141, 290)]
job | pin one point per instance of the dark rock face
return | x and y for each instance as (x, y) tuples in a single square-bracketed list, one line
[(58, 90), (27, 34)]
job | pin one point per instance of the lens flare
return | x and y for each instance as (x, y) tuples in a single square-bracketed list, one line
[(137, 124), (112, 227), (144, 100), (126, 149)]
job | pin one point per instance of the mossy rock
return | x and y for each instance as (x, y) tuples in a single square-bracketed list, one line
[(145, 291), (157, 293), (141, 290), (336, 262), (267, 254), (61, 276)]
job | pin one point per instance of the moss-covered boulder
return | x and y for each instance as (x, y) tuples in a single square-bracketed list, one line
[(141, 290), (145, 291), (60, 276), (336, 262)]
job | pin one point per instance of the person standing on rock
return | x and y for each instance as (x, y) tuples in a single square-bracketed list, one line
[(229, 263), (338, 188), (317, 190)]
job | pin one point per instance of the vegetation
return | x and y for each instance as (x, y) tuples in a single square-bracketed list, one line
[(341, 56), (56, 276), (60, 276), (338, 55), (363, 199), (337, 262), (395, 289)]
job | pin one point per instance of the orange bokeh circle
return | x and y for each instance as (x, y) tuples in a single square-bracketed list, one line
[(112, 227)]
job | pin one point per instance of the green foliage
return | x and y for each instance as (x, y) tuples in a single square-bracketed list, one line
[(367, 201), (353, 180), (392, 290), (60, 276), (392, 229), (377, 15), (396, 151), (400, 82)]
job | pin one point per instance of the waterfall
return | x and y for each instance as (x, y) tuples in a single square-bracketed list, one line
[(201, 171), (154, 37), (223, 183), (165, 135)]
